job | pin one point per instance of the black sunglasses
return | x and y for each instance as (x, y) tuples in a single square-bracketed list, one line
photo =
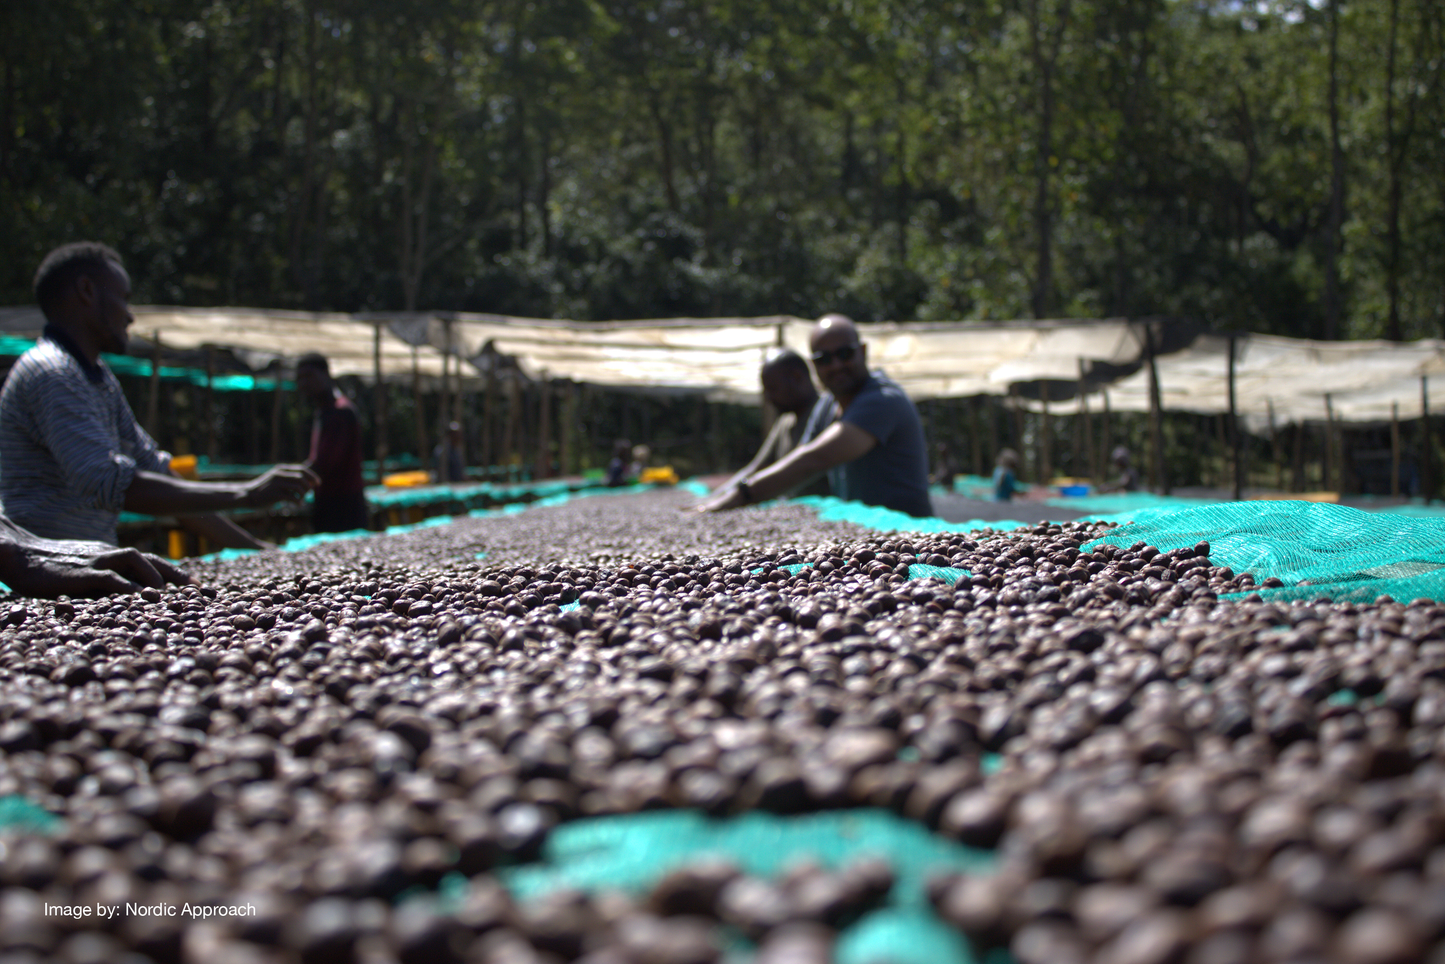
[(844, 354)]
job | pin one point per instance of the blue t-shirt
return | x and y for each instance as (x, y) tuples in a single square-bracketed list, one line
[(892, 474)]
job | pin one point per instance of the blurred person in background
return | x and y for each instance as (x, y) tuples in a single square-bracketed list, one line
[(1125, 477), (340, 499), (1005, 475), (945, 468), (617, 466), (449, 457)]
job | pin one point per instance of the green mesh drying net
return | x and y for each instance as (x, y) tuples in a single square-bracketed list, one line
[(19, 815), (832, 509), (631, 852), (1318, 550)]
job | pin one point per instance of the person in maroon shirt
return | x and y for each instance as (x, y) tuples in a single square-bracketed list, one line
[(340, 502)]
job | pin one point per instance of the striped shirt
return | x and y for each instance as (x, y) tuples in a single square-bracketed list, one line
[(69, 444)]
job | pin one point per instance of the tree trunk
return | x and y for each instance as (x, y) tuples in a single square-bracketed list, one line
[(664, 149), (415, 203), (1044, 52), (1337, 186), (1393, 329)]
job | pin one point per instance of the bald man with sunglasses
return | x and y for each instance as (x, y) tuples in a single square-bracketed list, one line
[(864, 432)]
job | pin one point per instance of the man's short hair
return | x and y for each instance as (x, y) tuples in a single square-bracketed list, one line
[(785, 359), (66, 264), (314, 359)]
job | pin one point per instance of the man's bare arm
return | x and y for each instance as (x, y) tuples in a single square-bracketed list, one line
[(157, 494), (764, 454), (841, 442), (221, 532)]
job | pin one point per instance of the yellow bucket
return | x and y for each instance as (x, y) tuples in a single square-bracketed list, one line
[(662, 476), (405, 480), (184, 466)]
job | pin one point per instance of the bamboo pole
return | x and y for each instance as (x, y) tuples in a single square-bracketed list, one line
[(1395, 449)]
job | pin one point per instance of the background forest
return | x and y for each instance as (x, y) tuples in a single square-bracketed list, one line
[(1272, 166)]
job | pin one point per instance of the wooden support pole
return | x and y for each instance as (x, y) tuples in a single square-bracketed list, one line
[(379, 417), (509, 433), (489, 416), (422, 449), (714, 432), (1018, 419), (1298, 482), (1274, 448), (1157, 477), (212, 442), (276, 414), (544, 429), (990, 411), (975, 442), (1236, 436), (569, 429), (1395, 449), (1105, 436), (253, 427), (451, 378), (1221, 446), (700, 442), (1091, 455), (1427, 457), (1046, 439), (1327, 460), (153, 404)]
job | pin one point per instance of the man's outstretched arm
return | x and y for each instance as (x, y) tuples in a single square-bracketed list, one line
[(840, 442)]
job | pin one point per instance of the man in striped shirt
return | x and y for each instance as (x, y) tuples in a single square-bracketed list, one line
[(71, 454)]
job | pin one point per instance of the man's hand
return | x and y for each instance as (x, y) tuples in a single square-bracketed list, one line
[(33, 566), (281, 482)]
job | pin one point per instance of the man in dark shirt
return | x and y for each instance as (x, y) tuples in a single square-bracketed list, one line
[(865, 433), (340, 500)]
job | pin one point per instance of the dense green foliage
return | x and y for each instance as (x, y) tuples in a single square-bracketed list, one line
[(647, 158)]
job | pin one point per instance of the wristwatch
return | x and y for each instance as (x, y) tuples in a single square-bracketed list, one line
[(746, 492)]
